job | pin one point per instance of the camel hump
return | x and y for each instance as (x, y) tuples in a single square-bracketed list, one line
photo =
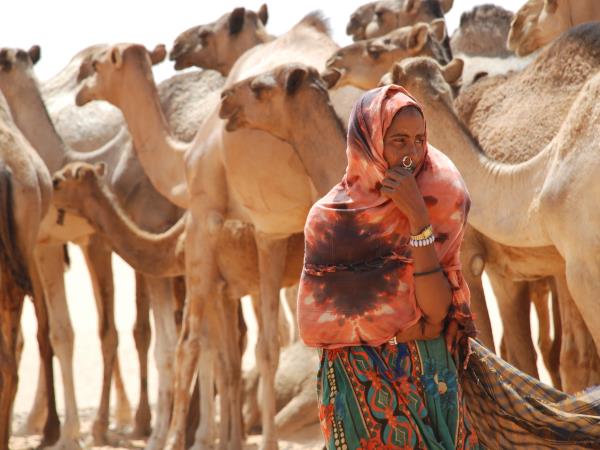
[(318, 21), (10, 256)]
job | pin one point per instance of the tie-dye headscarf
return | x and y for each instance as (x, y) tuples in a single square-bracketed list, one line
[(357, 285)]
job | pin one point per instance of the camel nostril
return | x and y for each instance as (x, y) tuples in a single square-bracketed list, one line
[(55, 182), (225, 94)]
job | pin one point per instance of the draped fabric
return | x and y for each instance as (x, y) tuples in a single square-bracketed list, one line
[(356, 285)]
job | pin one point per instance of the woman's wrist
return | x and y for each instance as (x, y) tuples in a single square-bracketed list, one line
[(418, 222)]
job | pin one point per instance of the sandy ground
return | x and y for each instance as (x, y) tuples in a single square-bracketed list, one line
[(88, 360)]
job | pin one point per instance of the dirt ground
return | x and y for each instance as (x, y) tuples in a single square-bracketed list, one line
[(88, 362)]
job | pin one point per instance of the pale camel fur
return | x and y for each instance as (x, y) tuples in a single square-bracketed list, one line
[(275, 205), (146, 207), (217, 45), (539, 22), (25, 193), (536, 197)]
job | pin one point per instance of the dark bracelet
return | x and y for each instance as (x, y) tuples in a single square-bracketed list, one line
[(429, 272)]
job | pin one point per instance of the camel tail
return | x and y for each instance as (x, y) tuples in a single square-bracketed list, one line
[(11, 259)]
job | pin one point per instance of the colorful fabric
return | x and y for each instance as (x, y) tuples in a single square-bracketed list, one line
[(509, 409), (356, 287), (397, 396)]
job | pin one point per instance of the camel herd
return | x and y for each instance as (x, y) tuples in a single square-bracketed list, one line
[(203, 183)]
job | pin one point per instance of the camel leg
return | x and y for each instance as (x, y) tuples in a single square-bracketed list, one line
[(271, 261), (98, 260), (205, 433), (37, 413), (291, 296), (11, 307), (141, 336), (50, 259), (123, 415), (51, 431), (578, 355), (554, 359), (514, 305), (538, 291), (472, 256), (161, 301), (300, 412)]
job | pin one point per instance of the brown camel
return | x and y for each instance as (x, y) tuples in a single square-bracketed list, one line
[(146, 207), (79, 189), (375, 19), (219, 44), (536, 198), (193, 177), (363, 63), (539, 22), (483, 31), (25, 193)]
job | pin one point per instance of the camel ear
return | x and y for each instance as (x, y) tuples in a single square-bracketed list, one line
[(294, 79), (331, 77), (453, 70), (398, 73), (411, 6), (100, 169), (550, 6), (446, 5), (116, 57), (158, 55), (438, 29), (236, 20), (418, 36), (35, 52), (263, 14)]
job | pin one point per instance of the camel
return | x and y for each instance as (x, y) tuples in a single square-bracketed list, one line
[(219, 44), (377, 18), (363, 63), (25, 193), (535, 194), (192, 176), (483, 32), (539, 22), (146, 207), (79, 189)]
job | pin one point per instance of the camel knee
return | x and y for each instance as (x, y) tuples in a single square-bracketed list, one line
[(62, 338), (109, 340)]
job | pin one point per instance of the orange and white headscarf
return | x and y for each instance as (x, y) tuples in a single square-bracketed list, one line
[(357, 286)]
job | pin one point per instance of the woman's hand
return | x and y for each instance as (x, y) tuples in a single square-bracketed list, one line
[(422, 330), (401, 187)]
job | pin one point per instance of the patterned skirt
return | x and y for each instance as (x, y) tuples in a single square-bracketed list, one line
[(397, 396), (406, 396)]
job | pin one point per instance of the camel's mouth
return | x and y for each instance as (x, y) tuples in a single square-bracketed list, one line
[(233, 116), (84, 95), (332, 76)]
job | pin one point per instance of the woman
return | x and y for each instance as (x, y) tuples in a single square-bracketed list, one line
[(382, 295)]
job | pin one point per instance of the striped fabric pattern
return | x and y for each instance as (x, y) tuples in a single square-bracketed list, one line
[(510, 409)]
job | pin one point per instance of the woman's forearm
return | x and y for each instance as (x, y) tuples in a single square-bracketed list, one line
[(432, 291)]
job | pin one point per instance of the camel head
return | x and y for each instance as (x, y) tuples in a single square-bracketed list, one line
[(16, 69), (219, 44), (261, 102), (359, 20), (110, 72), (74, 183), (363, 63), (537, 23), (426, 79), (391, 14)]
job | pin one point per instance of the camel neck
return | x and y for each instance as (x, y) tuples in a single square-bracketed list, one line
[(153, 254), (30, 115), (321, 145), (160, 154), (495, 188)]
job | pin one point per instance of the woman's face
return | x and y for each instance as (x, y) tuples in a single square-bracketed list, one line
[(405, 137)]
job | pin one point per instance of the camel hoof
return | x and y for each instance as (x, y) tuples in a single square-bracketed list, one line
[(174, 443), (123, 416), (66, 444), (142, 427), (269, 445), (29, 429)]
